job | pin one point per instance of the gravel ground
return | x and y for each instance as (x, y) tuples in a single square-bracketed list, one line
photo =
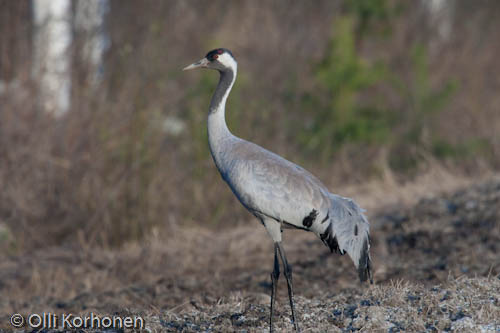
[(461, 305), (436, 268)]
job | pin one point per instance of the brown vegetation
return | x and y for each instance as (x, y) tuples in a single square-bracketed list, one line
[(436, 267), (116, 206), (108, 171)]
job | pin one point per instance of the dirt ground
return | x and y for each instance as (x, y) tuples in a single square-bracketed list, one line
[(436, 268)]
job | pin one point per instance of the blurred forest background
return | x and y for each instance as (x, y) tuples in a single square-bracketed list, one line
[(103, 137)]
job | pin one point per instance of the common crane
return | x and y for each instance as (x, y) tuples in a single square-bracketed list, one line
[(278, 192)]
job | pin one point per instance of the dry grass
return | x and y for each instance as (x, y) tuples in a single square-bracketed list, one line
[(108, 172), (104, 210), (459, 305), (378, 194), (436, 268)]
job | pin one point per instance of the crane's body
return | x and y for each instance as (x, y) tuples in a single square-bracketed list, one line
[(278, 192)]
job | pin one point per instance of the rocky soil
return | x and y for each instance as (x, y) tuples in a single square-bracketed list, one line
[(436, 268)]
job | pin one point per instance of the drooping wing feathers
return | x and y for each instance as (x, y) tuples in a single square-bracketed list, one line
[(269, 185), (352, 232)]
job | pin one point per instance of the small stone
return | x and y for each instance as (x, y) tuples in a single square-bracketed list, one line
[(349, 311), (365, 302)]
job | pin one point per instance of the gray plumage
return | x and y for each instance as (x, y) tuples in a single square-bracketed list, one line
[(278, 192), (271, 187)]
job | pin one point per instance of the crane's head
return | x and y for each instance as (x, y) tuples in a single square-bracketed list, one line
[(219, 59)]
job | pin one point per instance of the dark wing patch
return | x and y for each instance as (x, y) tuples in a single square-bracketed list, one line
[(293, 226), (329, 239), (356, 230), (326, 218), (309, 219)]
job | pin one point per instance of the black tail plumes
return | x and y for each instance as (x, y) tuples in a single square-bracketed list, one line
[(364, 265)]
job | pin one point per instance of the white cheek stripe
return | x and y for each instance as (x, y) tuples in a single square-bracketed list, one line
[(227, 61)]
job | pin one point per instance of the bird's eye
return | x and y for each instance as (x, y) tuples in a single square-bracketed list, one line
[(215, 56)]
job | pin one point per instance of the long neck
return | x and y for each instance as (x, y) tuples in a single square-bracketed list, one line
[(219, 98), (217, 127)]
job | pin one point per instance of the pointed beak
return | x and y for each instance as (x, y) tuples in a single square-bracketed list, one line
[(203, 63)]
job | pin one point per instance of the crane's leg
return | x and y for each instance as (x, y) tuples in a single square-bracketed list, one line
[(288, 275), (274, 278)]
